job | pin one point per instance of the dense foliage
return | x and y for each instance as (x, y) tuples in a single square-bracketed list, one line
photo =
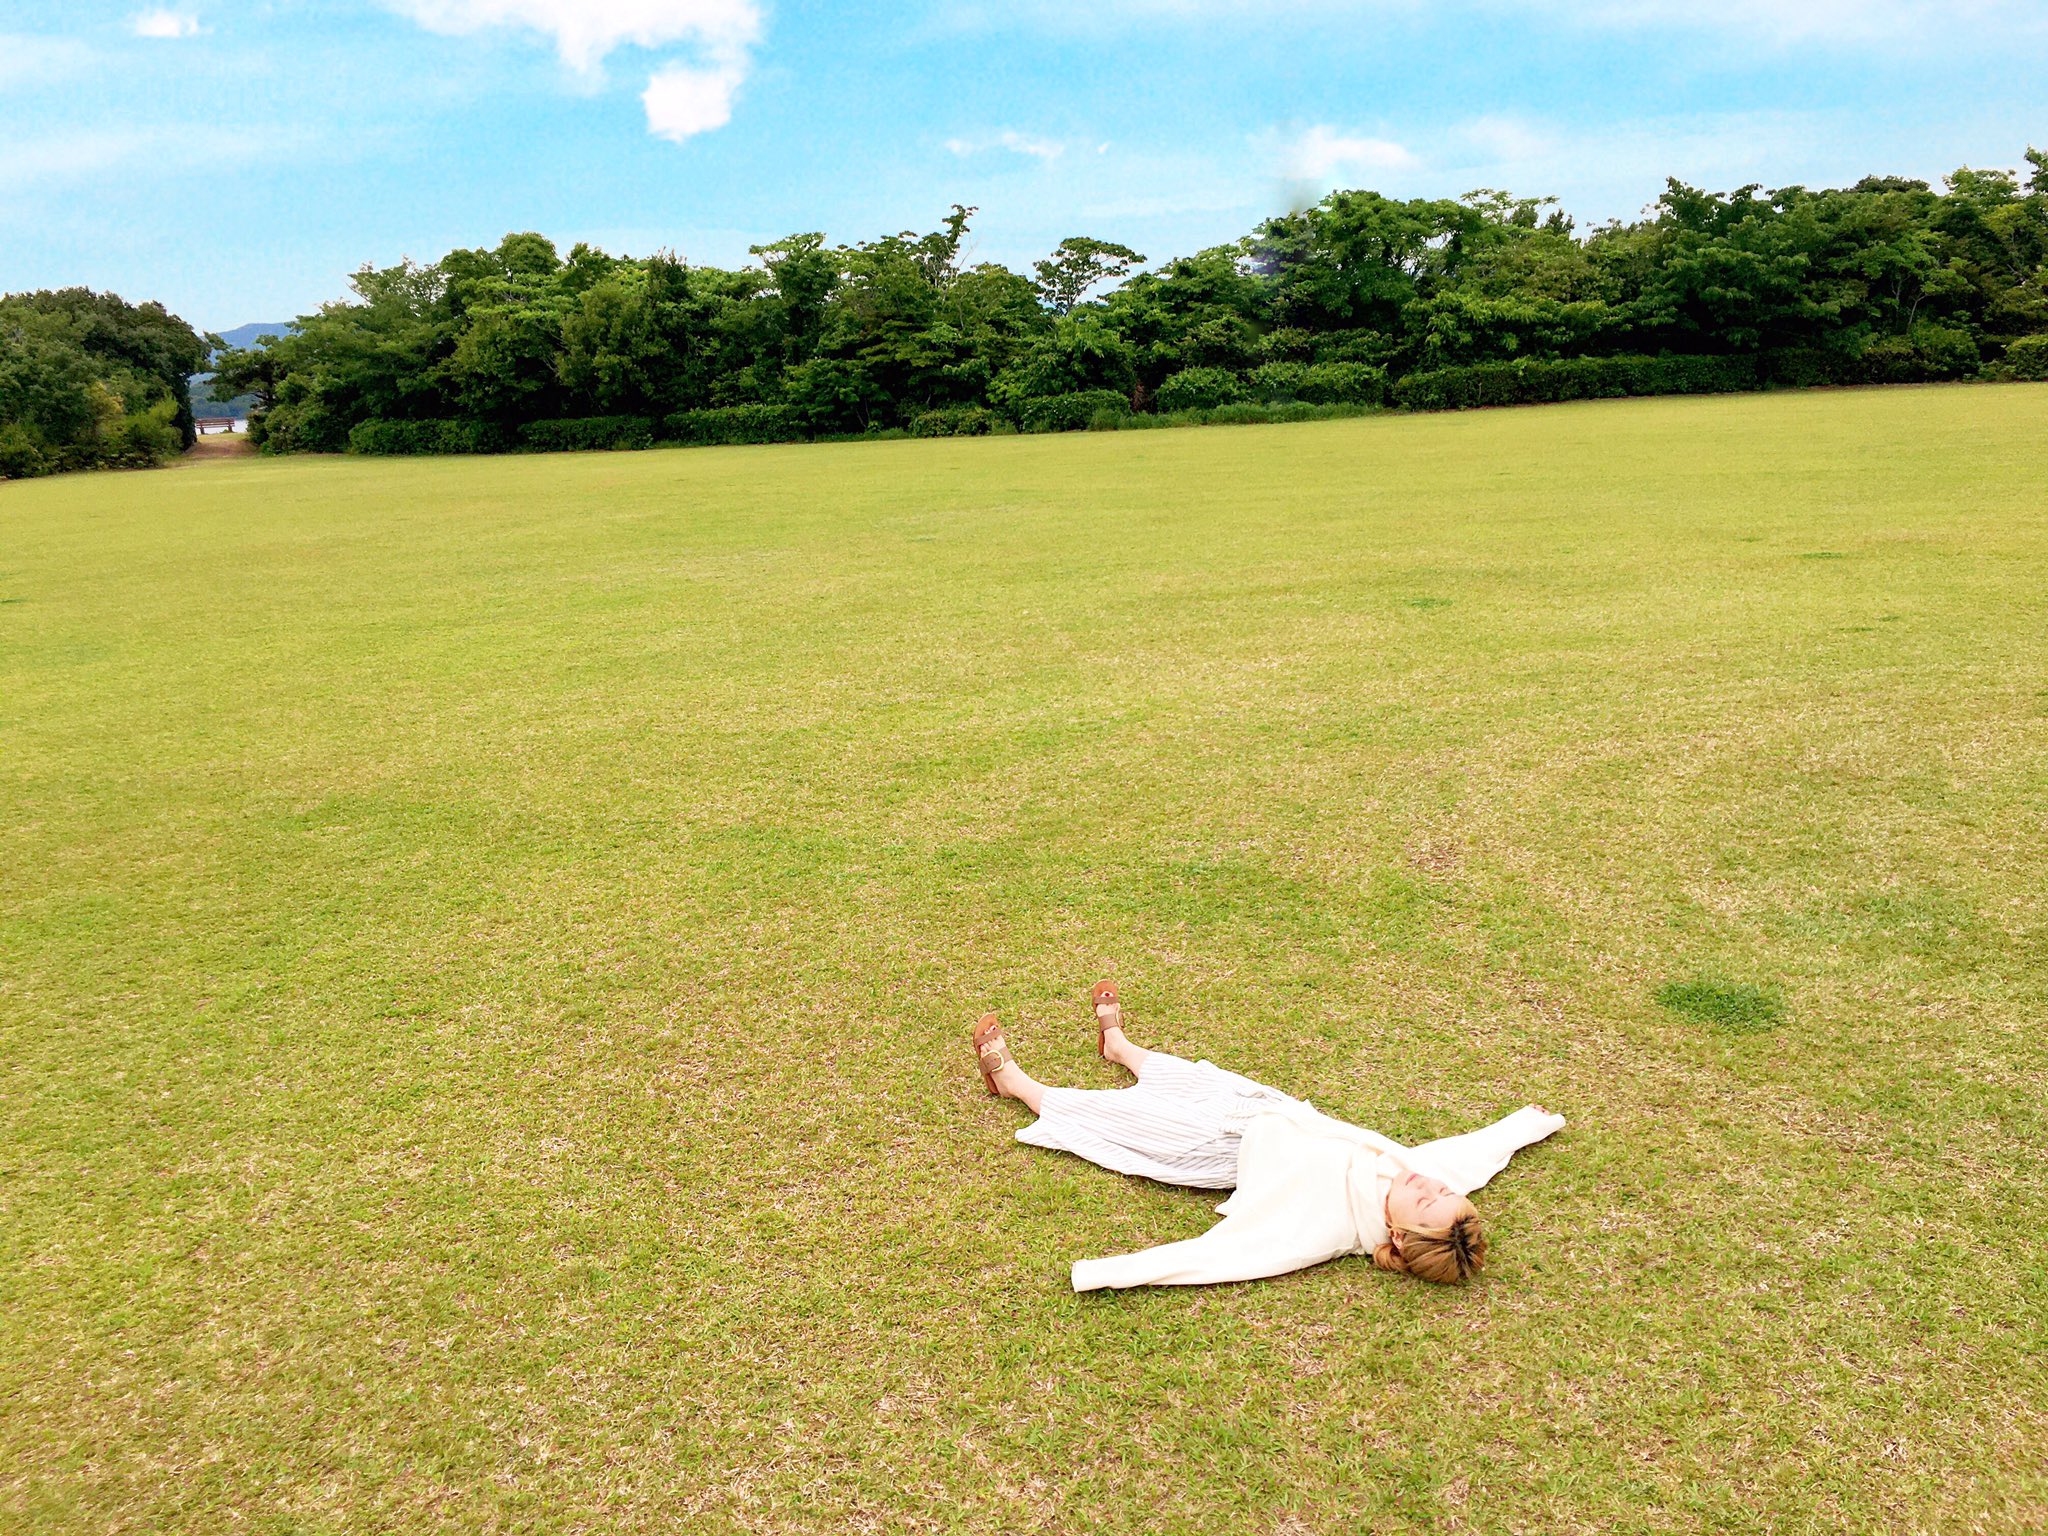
[(1358, 301), (87, 379)]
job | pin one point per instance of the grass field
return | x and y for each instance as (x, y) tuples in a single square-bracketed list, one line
[(488, 948)]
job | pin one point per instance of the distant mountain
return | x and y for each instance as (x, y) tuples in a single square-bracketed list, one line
[(245, 335), (203, 403)]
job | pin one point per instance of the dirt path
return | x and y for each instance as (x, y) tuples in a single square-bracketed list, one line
[(220, 445)]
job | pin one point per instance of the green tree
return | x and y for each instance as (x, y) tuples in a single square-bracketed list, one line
[(1078, 266), (89, 379), (1885, 279)]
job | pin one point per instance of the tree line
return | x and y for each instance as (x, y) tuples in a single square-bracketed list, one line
[(88, 380), (1358, 302)]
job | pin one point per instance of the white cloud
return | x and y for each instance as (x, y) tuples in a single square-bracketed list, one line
[(1322, 155), (585, 31), (1037, 149), (1015, 142), (165, 23), (682, 99)]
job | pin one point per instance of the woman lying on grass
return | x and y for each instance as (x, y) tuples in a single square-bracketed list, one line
[(1308, 1187)]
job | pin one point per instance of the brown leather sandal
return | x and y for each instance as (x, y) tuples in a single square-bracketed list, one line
[(1100, 996), (991, 1051)]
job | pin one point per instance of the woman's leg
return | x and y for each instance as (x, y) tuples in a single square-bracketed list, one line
[(1116, 1045), (1013, 1082), (1177, 1138)]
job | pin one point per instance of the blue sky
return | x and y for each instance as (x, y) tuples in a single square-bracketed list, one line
[(239, 158)]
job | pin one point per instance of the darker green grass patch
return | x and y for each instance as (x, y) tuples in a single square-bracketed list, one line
[(1822, 554), (1426, 604), (1732, 1006)]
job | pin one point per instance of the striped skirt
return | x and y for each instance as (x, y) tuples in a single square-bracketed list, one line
[(1181, 1124)]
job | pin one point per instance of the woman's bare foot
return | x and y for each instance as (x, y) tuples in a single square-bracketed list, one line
[(1109, 1012), (998, 1063), (1109, 1023)]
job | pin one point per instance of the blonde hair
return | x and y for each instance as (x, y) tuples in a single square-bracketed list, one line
[(1447, 1255)]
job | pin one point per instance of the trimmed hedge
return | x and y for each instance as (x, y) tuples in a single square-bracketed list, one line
[(1577, 378), (1071, 413), (403, 437), (2028, 358), (1345, 384), (1245, 413), (1801, 367), (1279, 391), (735, 424), (1198, 389), (1946, 352), (1930, 353), (955, 421), (1277, 382), (1319, 383), (586, 433), (379, 436)]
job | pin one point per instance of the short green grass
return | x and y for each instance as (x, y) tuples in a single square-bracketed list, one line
[(488, 948), (1726, 1005)]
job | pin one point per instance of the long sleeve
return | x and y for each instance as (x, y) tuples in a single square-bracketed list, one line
[(1466, 1162), (1289, 1212), (1236, 1248)]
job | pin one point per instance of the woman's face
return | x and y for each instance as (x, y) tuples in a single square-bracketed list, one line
[(1417, 1203)]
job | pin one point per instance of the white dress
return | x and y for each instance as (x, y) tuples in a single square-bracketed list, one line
[(1309, 1187), (1181, 1123)]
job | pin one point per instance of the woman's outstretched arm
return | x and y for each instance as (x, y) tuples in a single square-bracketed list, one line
[(1468, 1161), (1236, 1248)]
